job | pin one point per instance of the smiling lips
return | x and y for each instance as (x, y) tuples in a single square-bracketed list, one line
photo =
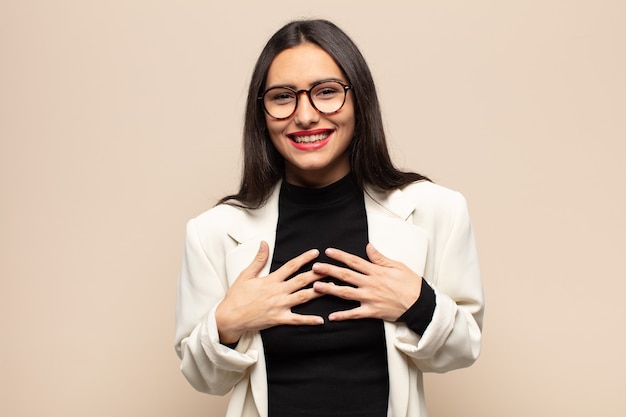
[(310, 140)]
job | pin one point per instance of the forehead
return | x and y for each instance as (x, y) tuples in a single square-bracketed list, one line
[(302, 66)]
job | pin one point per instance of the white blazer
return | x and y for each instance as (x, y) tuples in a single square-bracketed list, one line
[(423, 225)]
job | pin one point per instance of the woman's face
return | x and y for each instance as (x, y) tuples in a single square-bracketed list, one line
[(314, 145)]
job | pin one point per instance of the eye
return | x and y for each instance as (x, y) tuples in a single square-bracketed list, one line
[(327, 91), (280, 96)]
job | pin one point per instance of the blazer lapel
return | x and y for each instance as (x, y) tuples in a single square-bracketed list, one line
[(391, 230), (390, 226), (255, 226)]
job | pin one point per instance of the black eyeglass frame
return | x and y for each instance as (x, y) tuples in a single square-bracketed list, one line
[(346, 88)]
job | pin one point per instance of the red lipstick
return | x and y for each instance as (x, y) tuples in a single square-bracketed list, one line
[(309, 140)]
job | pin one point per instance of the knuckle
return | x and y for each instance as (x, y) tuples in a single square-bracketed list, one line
[(296, 319), (340, 290), (299, 281), (261, 255), (291, 266), (344, 273), (340, 275), (301, 297)]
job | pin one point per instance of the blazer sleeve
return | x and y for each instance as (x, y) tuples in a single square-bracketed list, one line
[(452, 340), (208, 365)]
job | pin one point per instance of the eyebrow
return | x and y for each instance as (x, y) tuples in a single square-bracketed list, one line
[(293, 86)]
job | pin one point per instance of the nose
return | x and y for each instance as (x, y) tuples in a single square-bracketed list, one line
[(305, 114)]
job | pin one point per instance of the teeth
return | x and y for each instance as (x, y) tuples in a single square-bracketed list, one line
[(310, 139)]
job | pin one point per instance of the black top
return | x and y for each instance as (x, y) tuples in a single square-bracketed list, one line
[(338, 368)]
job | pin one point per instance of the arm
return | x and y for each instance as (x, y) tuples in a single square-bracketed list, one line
[(452, 339), (211, 314), (208, 365), (449, 334)]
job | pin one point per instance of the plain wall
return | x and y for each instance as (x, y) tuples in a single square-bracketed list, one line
[(120, 120)]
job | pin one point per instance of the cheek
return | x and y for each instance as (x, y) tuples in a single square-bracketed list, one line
[(348, 118), (348, 123), (272, 127)]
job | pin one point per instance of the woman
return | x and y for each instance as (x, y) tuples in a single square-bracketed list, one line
[(331, 280)]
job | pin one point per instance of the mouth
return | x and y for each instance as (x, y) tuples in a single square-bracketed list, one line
[(310, 137)]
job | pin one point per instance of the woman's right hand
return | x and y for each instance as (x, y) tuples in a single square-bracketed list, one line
[(255, 303)]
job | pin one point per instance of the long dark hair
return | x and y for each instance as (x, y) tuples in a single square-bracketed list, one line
[(370, 162)]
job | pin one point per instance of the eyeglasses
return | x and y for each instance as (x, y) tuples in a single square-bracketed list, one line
[(327, 97)]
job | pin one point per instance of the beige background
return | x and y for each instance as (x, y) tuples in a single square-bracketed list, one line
[(119, 120)]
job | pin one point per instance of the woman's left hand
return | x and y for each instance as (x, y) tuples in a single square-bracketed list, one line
[(384, 287)]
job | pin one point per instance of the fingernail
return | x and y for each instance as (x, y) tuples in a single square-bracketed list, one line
[(329, 251), (315, 252)]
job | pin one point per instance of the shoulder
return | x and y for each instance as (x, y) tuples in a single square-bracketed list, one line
[(219, 218), (427, 204), (420, 195), (428, 195), (209, 234), (437, 208), (237, 222)]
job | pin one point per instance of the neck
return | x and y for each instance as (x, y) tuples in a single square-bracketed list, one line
[(316, 178)]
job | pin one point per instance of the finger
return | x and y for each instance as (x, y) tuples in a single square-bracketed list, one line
[(259, 261), (355, 262), (354, 313), (302, 280), (342, 291), (344, 274), (377, 257), (303, 319), (293, 265), (303, 296)]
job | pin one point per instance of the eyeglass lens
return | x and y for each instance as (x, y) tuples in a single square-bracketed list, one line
[(327, 97)]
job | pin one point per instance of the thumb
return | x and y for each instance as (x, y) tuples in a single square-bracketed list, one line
[(259, 261), (377, 257)]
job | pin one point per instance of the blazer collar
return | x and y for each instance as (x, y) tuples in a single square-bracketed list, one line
[(262, 222), (394, 201), (390, 230)]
